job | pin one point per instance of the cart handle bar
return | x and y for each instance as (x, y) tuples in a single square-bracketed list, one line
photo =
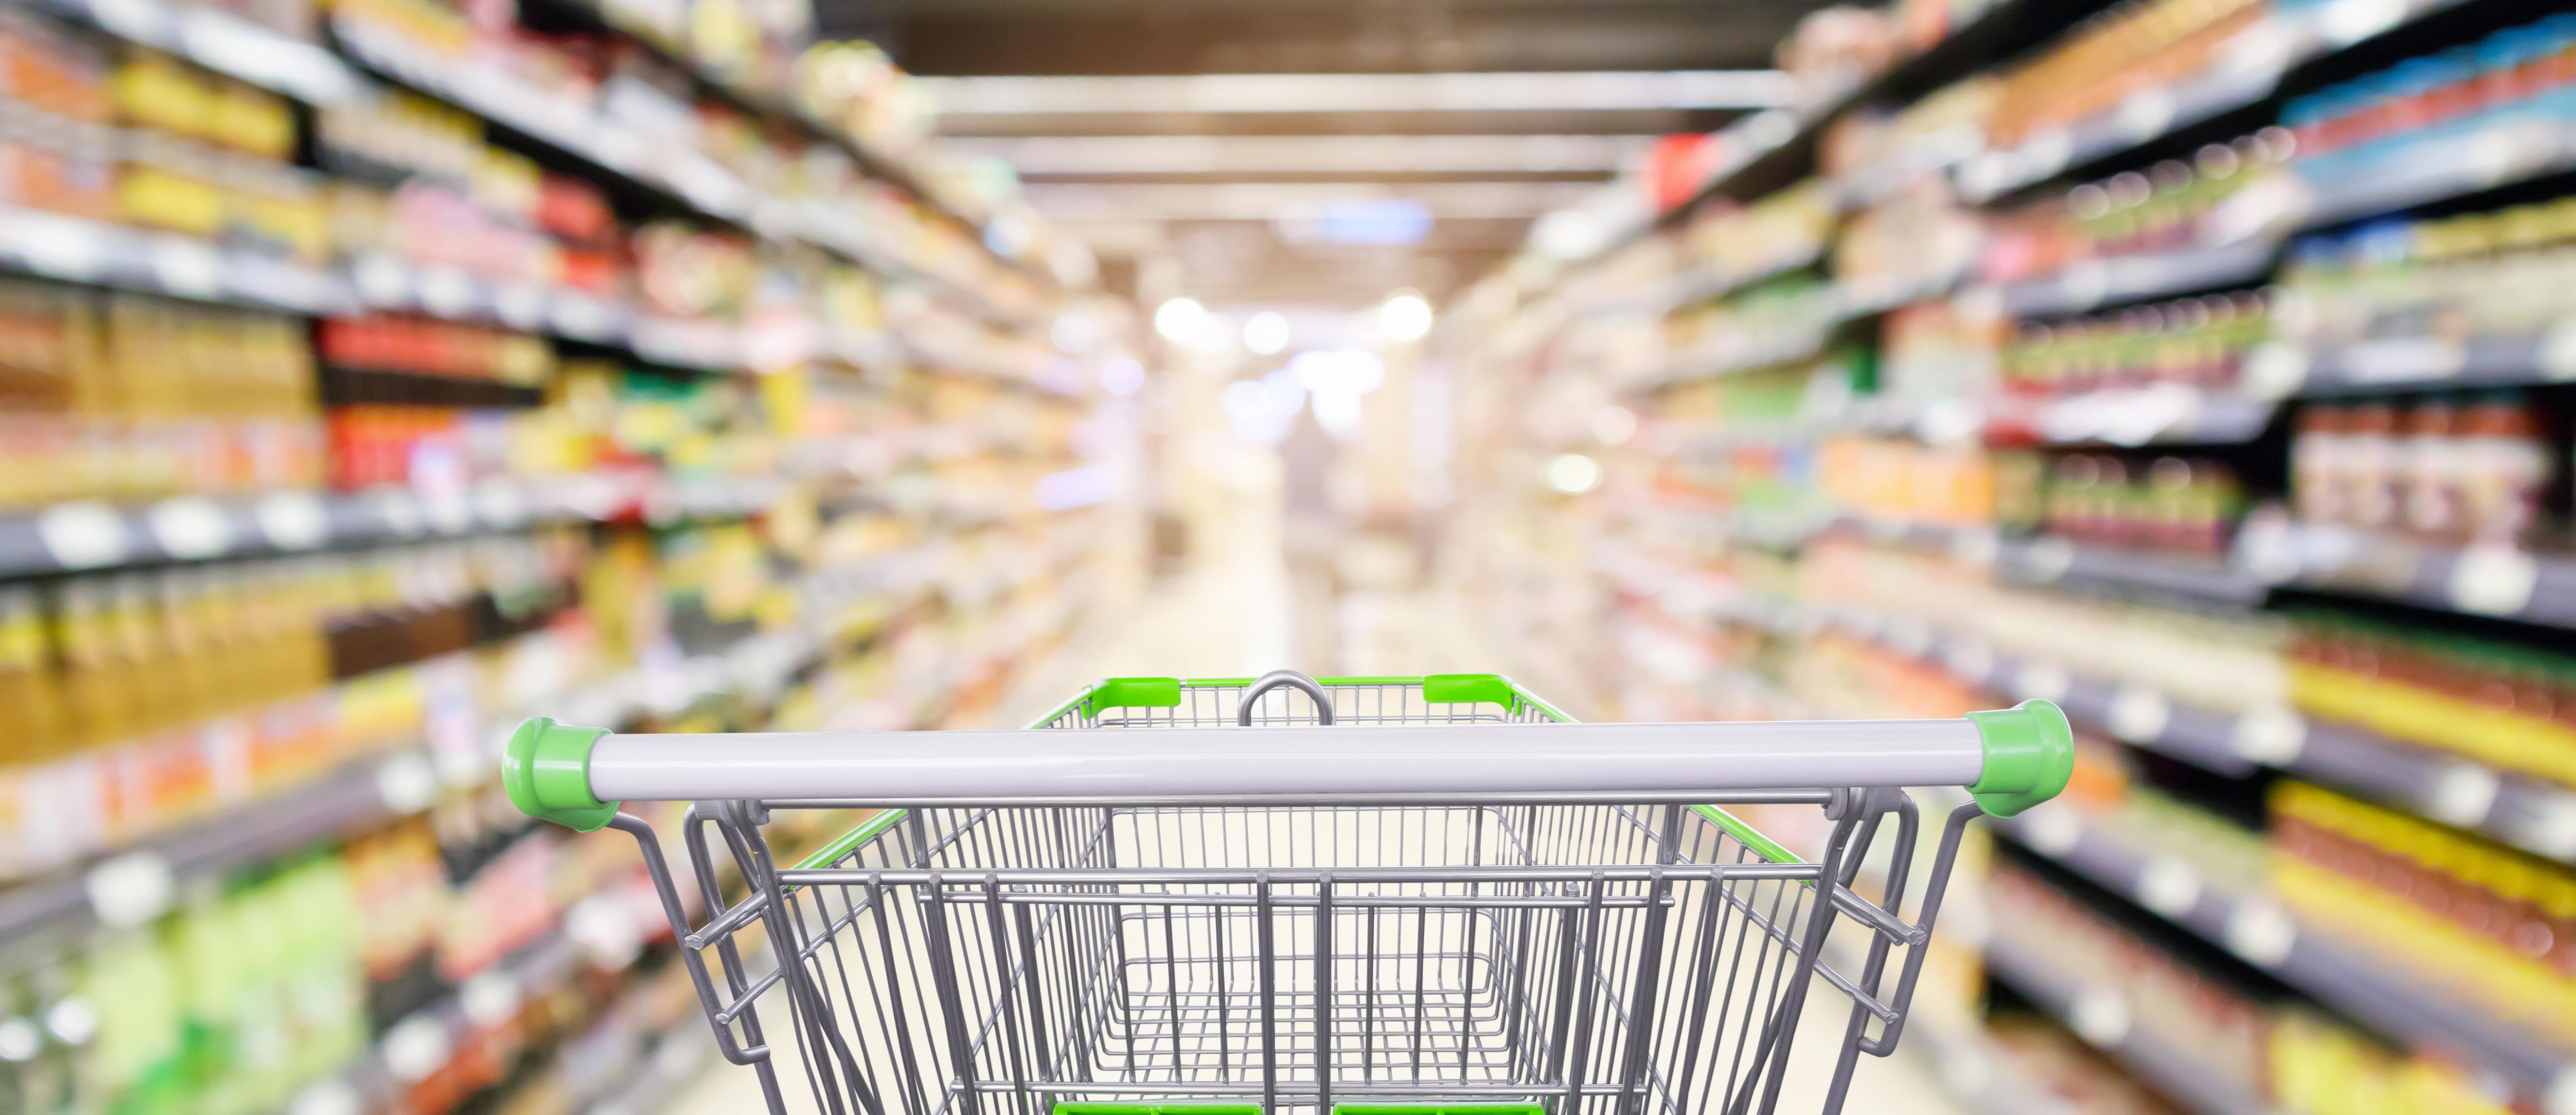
[(2010, 759)]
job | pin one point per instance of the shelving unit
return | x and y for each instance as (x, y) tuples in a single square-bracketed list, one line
[(2075, 471), (507, 477)]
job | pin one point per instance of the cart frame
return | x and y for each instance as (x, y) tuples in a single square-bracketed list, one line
[(1202, 918)]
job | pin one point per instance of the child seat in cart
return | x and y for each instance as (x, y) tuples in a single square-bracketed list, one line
[(1297, 894)]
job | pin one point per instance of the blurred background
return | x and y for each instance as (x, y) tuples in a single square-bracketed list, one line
[(376, 373)]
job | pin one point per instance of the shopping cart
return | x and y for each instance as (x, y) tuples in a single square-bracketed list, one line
[(1432, 891)]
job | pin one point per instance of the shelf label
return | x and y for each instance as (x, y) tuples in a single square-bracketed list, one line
[(2047, 560), (2168, 886), (400, 511), (520, 305), (446, 291), (2084, 284), (1971, 659), (60, 247), (2557, 356), (2100, 1016), (2345, 22), (2274, 370), (490, 998), (501, 503), (2260, 934), (2147, 113), (416, 1047), (131, 889), (2046, 681), (83, 535), (407, 784), (2493, 580), (2052, 829), (2271, 735), (186, 268), (328, 1097), (292, 520), (1909, 636), (2461, 794), (2548, 824), (190, 528), (382, 280), (2043, 157), (2138, 714)]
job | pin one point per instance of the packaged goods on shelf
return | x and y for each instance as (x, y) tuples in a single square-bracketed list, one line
[(2466, 471), (1937, 351), (2059, 1066), (2176, 504), (2197, 342), (2514, 76), (1907, 482), (2512, 707), (1917, 240), (2484, 920), (126, 396), (1774, 323), (1874, 149), (1834, 51), (2437, 281), (1785, 230), (2172, 205), (2137, 47)]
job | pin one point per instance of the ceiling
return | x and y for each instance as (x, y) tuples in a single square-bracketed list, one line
[(1267, 190)]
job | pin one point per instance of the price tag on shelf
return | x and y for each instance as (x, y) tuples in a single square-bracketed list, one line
[(446, 291), (2274, 370), (2344, 22), (2052, 829), (2047, 560), (131, 889), (2461, 794), (187, 268), (400, 512), (416, 1047), (2271, 735), (2557, 356), (144, 21), (2260, 933), (407, 783), (2100, 1016), (2493, 580), (2549, 824), (2046, 681), (83, 535), (2168, 886), (490, 998), (292, 520), (2138, 714), (329, 1097), (2146, 114), (2084, 284), (520, 305), (60, 247), (2043, 157), (190, 528), (382, 280)]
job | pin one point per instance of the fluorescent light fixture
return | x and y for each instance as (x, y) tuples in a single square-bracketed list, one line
[(1370, 154), (1303, 202), (1598, 91)]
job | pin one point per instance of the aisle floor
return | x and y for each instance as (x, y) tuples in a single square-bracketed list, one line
[(1230, 616)]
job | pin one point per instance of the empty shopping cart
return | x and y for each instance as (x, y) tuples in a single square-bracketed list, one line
[(1298, 895)]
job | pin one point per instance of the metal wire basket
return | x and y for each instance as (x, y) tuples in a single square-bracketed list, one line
[(1432, 890)]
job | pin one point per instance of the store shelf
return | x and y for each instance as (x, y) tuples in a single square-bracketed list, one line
[(2091, 284), (2419, 172), (226, 44), (2103, 1018), (2495, 581), (78, 537), (2258, 930), (2535, 816), (2056, 562), (2437, 363), (2245, 72), (2163, 414), (83, 251)]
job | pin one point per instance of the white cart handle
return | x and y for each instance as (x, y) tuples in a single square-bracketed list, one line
[(2011, 759)]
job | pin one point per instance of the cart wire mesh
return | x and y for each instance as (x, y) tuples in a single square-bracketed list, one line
[(1588, 957)]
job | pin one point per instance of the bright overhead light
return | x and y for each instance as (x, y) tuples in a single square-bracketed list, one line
[(1598, 91), (1180, 320), (1573, 473), (1405, 316), (1350, 371), (1266, 334), (1072, 333), (1121, 375)]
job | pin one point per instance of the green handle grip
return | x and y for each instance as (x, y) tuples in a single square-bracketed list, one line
[(547, 773), (2030, 754)]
